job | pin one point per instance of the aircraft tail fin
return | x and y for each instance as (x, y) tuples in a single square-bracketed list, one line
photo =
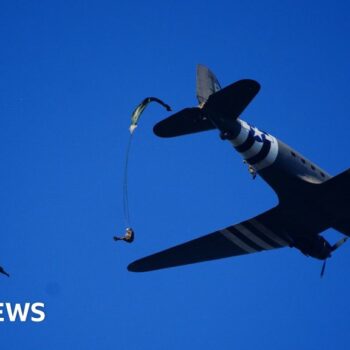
[(207, 83)]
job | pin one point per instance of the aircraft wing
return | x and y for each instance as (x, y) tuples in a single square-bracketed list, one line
[(254, 235)]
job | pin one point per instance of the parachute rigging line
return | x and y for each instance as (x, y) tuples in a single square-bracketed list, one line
[(125, 184), (134, 122)]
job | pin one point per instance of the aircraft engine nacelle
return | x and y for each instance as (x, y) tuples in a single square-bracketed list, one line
[(317, 247)]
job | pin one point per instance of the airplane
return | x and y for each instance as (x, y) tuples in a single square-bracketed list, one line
[(310, 200)]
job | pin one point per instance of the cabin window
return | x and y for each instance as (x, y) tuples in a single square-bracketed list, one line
[(303, 160), (322, 174), (313, 168), (293, 154)]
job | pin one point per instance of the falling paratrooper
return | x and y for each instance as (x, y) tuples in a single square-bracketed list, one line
[(135, 117)]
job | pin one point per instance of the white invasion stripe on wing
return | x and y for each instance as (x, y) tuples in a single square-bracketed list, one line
[(259, 226), (230, 236), (250, 235)]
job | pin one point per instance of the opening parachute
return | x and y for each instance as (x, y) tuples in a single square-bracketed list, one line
[(135, 117), (141, 107)]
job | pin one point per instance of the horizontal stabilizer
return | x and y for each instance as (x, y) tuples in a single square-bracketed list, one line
[(187, 121), (232, 100), (225, 104)]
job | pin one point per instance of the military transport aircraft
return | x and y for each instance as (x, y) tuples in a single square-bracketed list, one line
[(310, 200)]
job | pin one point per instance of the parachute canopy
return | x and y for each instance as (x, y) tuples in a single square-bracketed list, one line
[(141, 107)]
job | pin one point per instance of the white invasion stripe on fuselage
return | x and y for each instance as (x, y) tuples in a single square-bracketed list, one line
[(256, 146), (230, 236), (252, 151), (243, 134), (270, 158)]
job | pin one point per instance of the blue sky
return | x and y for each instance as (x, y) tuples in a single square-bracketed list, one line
[(71, 74)]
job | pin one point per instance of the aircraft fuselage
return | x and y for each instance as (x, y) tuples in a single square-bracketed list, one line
[(263, 151), (293, 177)]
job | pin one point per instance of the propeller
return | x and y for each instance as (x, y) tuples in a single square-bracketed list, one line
[(323, 267), (333, 248)]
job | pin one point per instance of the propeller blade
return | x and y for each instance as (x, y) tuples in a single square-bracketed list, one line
[(339, 243), (323, 267)]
